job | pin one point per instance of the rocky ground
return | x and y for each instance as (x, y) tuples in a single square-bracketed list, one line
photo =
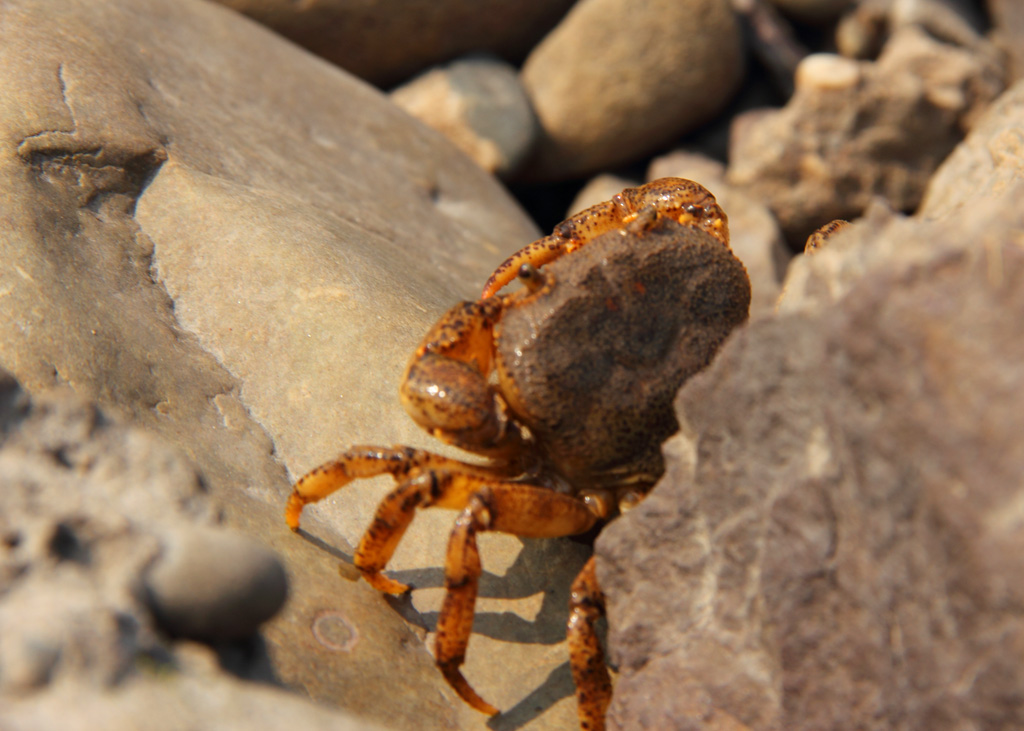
[(218, 250)]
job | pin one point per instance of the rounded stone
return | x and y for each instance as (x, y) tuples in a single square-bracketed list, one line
[(480, 105), (214, 585), (617, 79)]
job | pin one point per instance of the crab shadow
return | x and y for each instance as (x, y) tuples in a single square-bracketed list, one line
[(531, 573)]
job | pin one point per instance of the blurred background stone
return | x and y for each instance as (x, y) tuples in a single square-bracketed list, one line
[(86, 505), (213, 585), (388, 41), (480, 105), (812, 10), (868, 24), (664, 68), (856, 130)]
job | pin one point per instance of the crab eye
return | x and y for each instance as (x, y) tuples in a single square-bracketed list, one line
[(530, 277)]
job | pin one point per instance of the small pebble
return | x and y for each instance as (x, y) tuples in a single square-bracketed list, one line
[(480, 105), (214, 585), (827, 71)]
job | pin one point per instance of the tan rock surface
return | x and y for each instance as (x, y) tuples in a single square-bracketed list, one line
[(220, 238)]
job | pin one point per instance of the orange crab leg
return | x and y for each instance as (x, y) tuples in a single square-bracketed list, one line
[(487, 503), (683, 200), (593, 685), (519, 509), (819, 238), (362, 462)]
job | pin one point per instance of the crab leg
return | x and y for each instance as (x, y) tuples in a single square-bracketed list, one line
[(437, 488), (593, 685), (819, 238), (683, 200), (362, 462), (522, 510)]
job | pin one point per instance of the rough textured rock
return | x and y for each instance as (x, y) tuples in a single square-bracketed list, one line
[(856, 130), (87, 505), (242, 262), (387, 41), (616, 79), (754, 235), (480, 105), (837, 542)]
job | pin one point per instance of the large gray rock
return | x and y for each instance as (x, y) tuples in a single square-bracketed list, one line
[(615, 80), (217, 236), (838, 540)]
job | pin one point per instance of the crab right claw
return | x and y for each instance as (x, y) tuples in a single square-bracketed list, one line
[(682, 200)]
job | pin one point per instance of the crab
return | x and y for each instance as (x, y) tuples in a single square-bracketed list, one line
[(565, 386)]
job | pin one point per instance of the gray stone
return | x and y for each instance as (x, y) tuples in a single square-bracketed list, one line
[(857, 130), (214, 585), (387, 41), (480, 105), (837, 541), (615, 80)]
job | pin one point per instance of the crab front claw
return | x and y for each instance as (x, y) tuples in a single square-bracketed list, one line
[(682, 200)]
